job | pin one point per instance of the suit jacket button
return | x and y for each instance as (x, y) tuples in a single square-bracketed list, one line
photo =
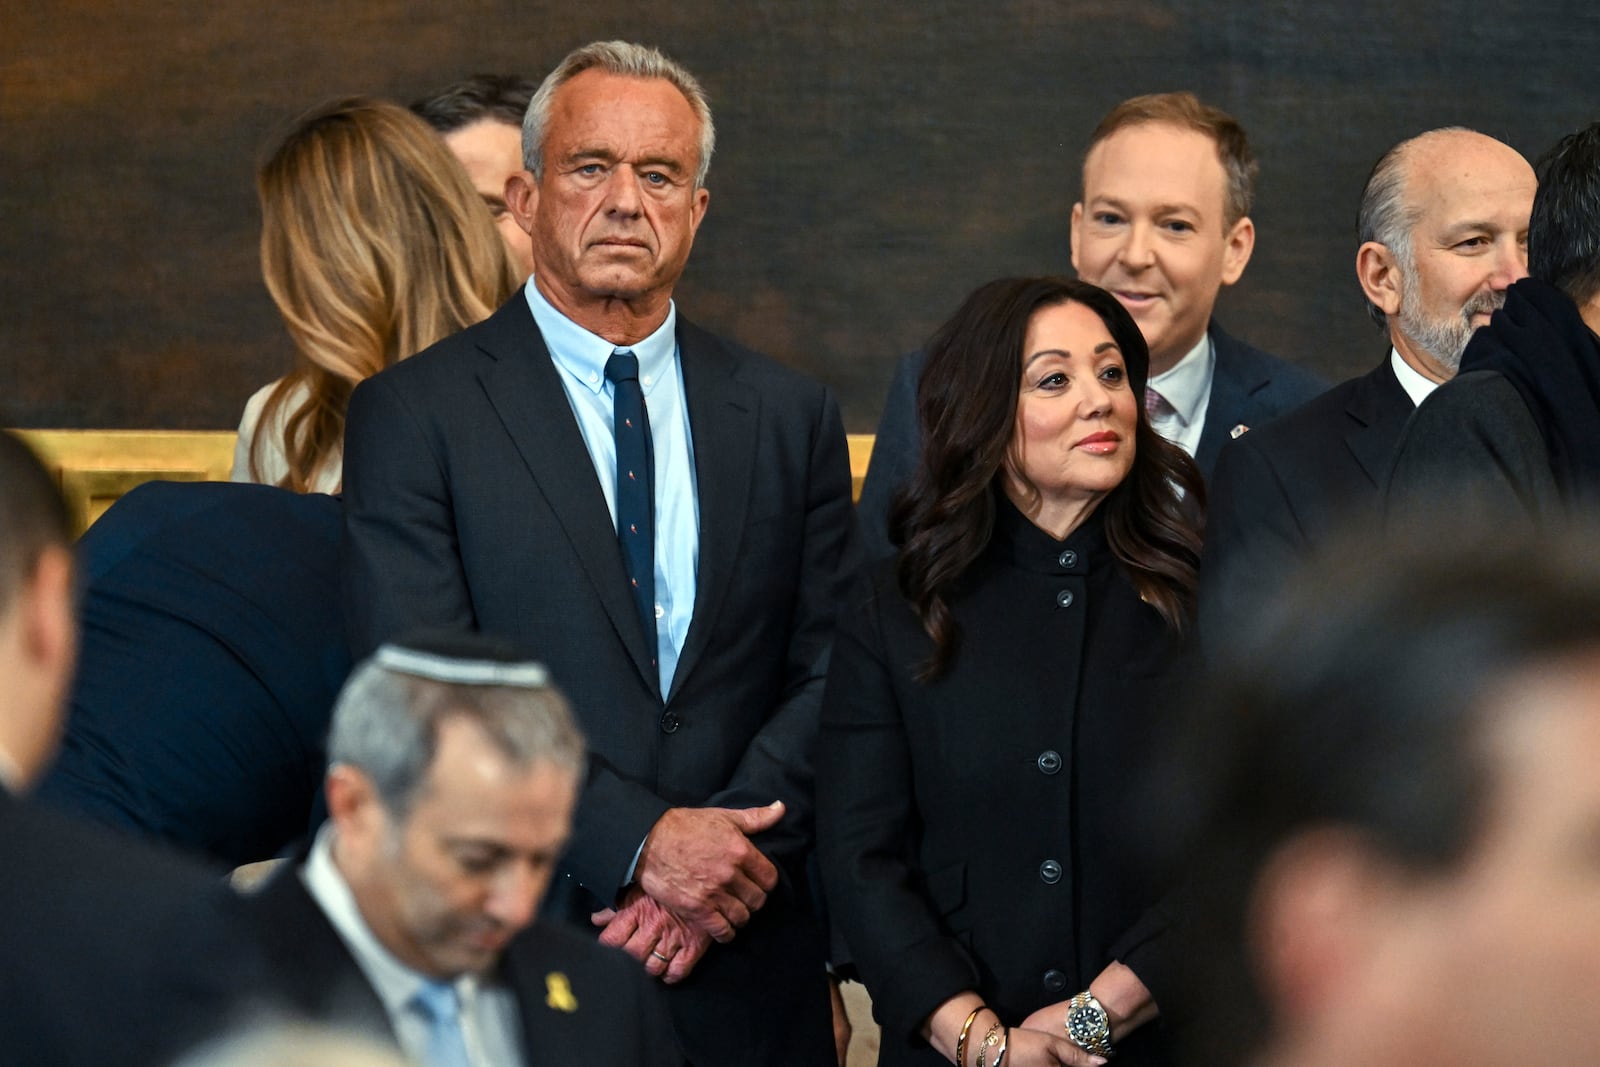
[(1049, 761), (1054, 981), (1064, 599), (1050, 872), (670, 723)]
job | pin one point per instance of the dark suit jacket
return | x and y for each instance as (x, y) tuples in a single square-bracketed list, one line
[(110, 952), (472, 502), (619, 1017), (1282, 490), (981, 831), (1248, 387), (212, 650)]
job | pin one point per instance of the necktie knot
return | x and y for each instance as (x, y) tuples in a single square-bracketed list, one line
[(623, 366), (437, 1001)]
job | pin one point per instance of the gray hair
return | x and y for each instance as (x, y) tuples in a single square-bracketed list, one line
[(1387, 216), (386, 721), (630, 61)]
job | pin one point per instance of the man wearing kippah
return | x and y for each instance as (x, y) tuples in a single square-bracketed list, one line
[(452, 772)]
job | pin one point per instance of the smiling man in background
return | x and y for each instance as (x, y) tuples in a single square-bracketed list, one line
[(1164, 224)]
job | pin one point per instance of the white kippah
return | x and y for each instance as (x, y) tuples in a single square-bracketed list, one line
[(527, 675)]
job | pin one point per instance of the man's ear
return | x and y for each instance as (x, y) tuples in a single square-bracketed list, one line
[(697, 212), (1077, 221), (1379, 274), (50, 629), (1315, 920), (522, 199), (1240, 242), (353, 803)]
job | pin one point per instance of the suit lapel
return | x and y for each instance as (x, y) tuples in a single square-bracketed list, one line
[(1379, 406), (1232, 382), (723, 415), (525, 390)]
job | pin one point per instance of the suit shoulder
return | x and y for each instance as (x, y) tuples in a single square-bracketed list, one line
[(1241, 359), (752, 367)]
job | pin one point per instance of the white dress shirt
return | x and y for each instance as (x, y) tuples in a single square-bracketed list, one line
[(489, 1017), (1186, 385), (1416, 385)]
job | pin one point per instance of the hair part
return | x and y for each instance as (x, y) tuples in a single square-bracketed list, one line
[(386, 723), (496, 97), (374, 245), (967, 402), (627, 60), (1564, 229), (1185, 111), (33, 516)]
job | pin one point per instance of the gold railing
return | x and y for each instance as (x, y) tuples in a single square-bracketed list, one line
[(94, 467)]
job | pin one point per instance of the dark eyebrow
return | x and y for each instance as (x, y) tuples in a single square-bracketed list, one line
[(1103, 346)]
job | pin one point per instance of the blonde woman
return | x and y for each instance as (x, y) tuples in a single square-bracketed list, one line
[(374, 245)]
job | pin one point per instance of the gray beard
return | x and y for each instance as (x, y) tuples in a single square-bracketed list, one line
[(1445, 339)]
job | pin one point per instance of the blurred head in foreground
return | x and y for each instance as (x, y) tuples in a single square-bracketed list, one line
[(1398, 854)]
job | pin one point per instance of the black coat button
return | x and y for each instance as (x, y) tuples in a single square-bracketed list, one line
[(1054, 981), (1050, 872), (1064, 599), (670, 723), (1068, 558), (1049, 761)]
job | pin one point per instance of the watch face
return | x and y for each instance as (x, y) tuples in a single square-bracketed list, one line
[(1087, 1025)]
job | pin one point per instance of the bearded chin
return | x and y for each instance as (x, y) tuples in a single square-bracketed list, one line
[(1445, 339)]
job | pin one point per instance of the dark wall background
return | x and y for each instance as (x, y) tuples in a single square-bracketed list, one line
[(876, 160)]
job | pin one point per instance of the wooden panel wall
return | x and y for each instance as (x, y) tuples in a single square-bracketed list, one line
[(877, 160)]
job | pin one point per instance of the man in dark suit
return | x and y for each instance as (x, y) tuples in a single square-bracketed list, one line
[(1164, 224), (660, 515), (1443, 228), (212, 649), (453, 771), (110, 952)]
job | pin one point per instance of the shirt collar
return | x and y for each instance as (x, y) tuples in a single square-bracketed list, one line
[(1416, 385), (583, 354), (1187, 382), (10, 774), (395, 983)]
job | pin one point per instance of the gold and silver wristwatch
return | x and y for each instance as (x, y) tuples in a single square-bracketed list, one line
[(1087, 1024)]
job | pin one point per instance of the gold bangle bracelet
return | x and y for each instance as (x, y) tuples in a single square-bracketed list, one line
[(961, 1042), (1005, 1043)]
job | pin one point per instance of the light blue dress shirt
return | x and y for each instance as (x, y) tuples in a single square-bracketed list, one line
[(580, 357)]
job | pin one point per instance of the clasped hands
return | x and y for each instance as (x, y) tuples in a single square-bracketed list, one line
[(698, 880)]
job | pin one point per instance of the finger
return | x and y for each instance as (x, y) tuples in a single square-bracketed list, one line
[(1066, 1052), (620, 929), (712, 923), (755, 820), (657, 962), (683, 962), (732, 909), (602, 918), (762, 872), (746, 891)]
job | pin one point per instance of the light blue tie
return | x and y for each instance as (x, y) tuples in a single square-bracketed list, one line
[(439, 1005)]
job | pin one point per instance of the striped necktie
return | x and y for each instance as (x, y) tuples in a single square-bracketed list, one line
[(635, 488)]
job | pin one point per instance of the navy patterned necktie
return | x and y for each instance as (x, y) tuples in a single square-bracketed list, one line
[(635, 487)]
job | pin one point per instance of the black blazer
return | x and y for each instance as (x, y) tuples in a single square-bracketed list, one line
[(984, 831), (1281, 491), (111, 952), (615, 1014), (1248, 387), (212, 648), (471, 502)]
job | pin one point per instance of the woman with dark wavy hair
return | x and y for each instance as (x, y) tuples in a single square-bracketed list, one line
[(995, 688)]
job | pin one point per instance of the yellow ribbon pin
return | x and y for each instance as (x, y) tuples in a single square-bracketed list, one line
[(558, 992)]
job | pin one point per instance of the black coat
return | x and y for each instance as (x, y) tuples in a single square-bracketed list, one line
[(1281, 491), (111, 951), (471, 502), (212, 649), (615, 1015), (977, 832)]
